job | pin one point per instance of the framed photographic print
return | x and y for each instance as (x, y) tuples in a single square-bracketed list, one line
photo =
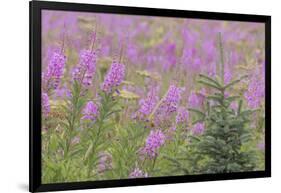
[(125, 96)]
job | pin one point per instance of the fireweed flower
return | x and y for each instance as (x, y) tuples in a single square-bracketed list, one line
[(198, 129), (171, 58), (86, 69), (171, 100), (209, 50), (91, 111), (227, 77), (255, 93), (182, 116), (196, 64), (104, 162), (148, 103), (154, 141), (137, 173), (52, 76), (45, 104), (62, 92), (194, 100), (132, 52), (114, 77), (168, 105)]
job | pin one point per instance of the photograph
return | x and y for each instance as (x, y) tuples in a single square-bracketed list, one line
[(133, 96)]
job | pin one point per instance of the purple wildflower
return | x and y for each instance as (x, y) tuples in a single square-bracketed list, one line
[(148, 103), (196, 64), (45, 104), (154, 141), (170, 53), (210, 51), (105, 162), (194, 100), (62, 92), (132, 52), (198, 129), (114, 77), (52, 76), (182, 116), (90, 112), (171, 100), (137, 173), (86, 69), (227, 76), (255, 93)]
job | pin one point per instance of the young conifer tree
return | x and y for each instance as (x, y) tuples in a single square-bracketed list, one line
[(222, 146), (226, 129)]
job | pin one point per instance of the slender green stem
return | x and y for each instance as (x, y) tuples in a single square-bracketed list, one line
[(96, 138), (153, 165), (74, 113), (221, 58)]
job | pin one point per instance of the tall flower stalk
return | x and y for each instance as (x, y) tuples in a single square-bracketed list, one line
[(147, 104), (82, 78), (86, 69), (109, 106), (73, 110), (167, 105), (154, 141), (45, 104), (90, 112), (51, 77), (114, 77)]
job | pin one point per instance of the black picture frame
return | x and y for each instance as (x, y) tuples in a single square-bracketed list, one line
[(35, 8)]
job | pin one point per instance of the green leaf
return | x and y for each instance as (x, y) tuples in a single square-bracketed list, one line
[(53, 143), (88, 152), (194, 138), (245, 137), (210, 79), (232, 98), (208, 84), (240, 107), (234, 82), (247, 113), (200, 113), (215, 98)]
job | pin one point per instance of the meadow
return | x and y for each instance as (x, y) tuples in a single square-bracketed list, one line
[(135, 96)]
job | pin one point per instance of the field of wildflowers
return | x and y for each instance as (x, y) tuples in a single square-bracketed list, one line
[(136, 96)]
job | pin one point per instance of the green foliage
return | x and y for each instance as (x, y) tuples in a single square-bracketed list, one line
[(223, 147), (125, 148), (60, 153), (72, 147), (108, 107)]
